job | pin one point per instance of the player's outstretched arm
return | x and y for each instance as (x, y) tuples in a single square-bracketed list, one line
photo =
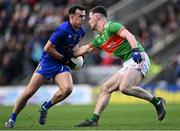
[(82, 50)]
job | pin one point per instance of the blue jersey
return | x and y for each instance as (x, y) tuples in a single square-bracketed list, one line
[(64, 37)]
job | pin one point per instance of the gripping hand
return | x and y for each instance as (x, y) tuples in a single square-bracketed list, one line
[(68, 54), (66, 60), (136, 55)]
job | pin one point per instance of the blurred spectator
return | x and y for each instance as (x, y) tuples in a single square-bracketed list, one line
[(108, 60), (93, 58), (12, 60), (150, 32), (156, 67), (175, 64), (35, 47)]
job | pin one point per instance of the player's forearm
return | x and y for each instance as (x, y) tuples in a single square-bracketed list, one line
[(54, 53), (82, 51), (124, 33), (50, 49), (79, 52), (132, 40)]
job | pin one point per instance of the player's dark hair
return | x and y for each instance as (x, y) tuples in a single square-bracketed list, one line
[(99, 9), (73, 9)]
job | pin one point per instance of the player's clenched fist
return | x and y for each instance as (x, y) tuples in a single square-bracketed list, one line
[(136, 55)]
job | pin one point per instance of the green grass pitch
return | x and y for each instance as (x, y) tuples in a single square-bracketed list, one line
[(115, 117)]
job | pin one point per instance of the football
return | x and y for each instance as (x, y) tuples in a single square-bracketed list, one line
[(79, 62)]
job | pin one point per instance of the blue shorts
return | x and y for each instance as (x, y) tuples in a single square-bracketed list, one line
[(49, 70)]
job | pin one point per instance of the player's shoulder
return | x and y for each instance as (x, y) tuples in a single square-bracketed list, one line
[(111, 23), (113, 27), (63, 26)]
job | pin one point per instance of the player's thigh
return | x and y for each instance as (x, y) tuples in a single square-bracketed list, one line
[(64, 80), (34, 84), (130, 78), (112, 83)]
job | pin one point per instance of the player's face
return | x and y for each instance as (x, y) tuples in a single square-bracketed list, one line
[(78, 18), (92, 21)]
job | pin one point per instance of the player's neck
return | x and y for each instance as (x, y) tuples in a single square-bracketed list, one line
[(73, 26)]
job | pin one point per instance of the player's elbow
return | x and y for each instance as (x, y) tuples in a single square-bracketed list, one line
[(48, 47), (47, 50)]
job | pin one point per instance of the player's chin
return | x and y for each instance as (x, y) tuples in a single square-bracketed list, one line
[(92, 28), (80, 25)]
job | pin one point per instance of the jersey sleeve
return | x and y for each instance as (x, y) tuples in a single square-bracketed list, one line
[(57, 36), (94, 43), (114, 27)]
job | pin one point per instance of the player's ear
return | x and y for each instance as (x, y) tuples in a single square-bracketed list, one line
[(70, 16), (98, 17)]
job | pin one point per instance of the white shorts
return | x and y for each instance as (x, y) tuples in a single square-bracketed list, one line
[(144, 66)]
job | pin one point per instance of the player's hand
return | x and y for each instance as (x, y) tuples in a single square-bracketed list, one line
[(136, 55), (71, 65), (69, 51), (68, 54), (66, 60)]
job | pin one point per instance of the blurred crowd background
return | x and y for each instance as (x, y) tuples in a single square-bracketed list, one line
[(25, 27)]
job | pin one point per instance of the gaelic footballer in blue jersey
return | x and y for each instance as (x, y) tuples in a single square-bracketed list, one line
[(54, 64)]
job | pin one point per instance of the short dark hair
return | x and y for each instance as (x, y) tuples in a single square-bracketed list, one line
[(73, 9), (99, 9)]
